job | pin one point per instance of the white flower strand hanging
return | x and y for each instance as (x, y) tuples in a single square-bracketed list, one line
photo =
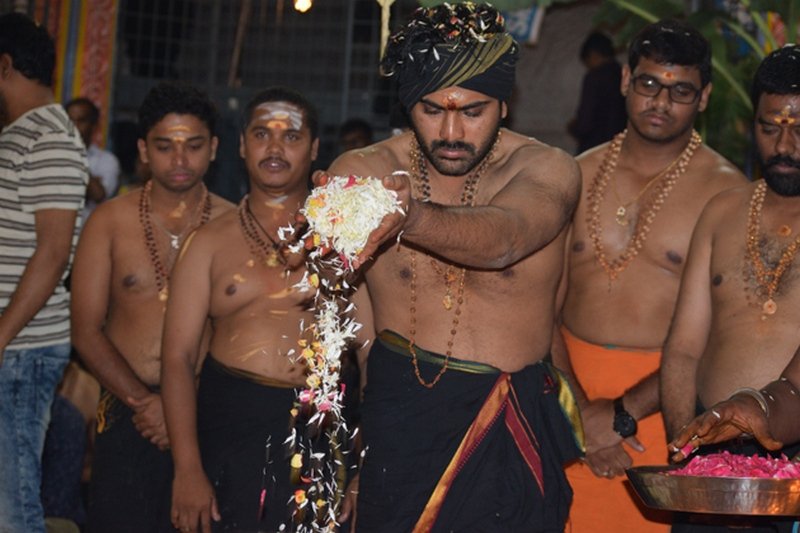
[(340, 215)]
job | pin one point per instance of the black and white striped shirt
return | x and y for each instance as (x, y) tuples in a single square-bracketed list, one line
[(42, 166)]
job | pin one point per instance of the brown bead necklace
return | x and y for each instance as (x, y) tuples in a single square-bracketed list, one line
[(272, 253), (161, 269), (422, 185), (768, 278), (647, 215)]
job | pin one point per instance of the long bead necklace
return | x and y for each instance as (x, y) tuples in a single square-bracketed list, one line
[(468, 195), (146, 220), (271, 253), (768, 278), (648, 212)]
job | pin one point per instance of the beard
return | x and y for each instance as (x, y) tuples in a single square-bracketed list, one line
[(782, 183), (456, 167)]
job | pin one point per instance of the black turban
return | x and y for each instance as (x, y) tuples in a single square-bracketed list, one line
[(452, 45)]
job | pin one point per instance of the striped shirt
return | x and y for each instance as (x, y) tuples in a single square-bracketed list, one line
[(42, 166)]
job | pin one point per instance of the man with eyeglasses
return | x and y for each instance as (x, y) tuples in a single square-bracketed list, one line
[(642, 193)]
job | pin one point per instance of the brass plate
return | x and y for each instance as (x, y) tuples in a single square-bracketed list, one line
[(717, 495)]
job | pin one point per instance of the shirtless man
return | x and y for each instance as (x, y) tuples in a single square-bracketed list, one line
[(464, 302), (119, 290), (235, 273), (625, 257), (735, 325)]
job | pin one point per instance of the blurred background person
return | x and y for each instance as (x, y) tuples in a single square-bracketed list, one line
[(601, 109), (104, 169), (355, 133)]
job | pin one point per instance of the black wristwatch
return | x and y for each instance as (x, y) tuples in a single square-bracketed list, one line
[(624, 424)]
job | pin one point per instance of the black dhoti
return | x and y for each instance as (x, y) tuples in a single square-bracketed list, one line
[(483, 450), (242, 423)]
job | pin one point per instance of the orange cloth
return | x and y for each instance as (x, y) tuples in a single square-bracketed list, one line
[(603, 505)]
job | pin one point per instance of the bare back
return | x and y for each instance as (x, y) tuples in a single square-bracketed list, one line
[(634, 310), (507, 313), (745, 347)]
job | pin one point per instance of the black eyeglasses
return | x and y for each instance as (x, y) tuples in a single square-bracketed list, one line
[(680, 93)]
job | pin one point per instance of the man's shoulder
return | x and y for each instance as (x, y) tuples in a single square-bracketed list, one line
[(524, 157), (39, 127), (124, 207), (220, 205), (377, 159), (591, 159), (715, 171), (217, 232), (522, 146), (50, 122), (729, 201)]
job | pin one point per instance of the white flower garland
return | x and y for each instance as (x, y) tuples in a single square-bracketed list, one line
[(341, 215)]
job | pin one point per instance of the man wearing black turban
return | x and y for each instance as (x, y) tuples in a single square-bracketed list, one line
[(466, 428)]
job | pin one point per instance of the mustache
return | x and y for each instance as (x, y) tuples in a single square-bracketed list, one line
[(273, 159), (657, 113), (782, 160), (454, 145)]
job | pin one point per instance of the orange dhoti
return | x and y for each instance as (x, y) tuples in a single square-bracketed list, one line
[(602, 505)]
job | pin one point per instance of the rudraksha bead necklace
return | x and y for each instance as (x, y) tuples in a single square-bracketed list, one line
[(161, 269), (422, 184), (768, 278)]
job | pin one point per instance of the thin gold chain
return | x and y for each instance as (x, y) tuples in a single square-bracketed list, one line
[(647, 214)]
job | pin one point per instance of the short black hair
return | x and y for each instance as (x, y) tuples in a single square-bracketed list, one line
[(778, 73), (279, 93), (30, 47), (166, 98), (355, 125), (672, 42), (94, 112), (597, 42)]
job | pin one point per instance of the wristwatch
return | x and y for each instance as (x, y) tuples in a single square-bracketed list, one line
[(624, 424)]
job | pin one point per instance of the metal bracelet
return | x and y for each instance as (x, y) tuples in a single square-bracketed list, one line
[(756, 395)]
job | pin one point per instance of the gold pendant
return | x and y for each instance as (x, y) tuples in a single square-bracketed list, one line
[(447, 301), (163, 294), (272, 259), (769, 307), (622, 220)]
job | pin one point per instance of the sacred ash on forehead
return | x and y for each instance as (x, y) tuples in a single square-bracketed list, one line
[(178, 133), (281, 115), (448, 45)]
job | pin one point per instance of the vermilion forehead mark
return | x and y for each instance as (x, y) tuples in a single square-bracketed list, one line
[(668, 75), (452, 98), (278, 124), (785, 118), (450, 102)]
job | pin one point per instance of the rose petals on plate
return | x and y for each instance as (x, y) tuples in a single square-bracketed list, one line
[(726, 464)]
